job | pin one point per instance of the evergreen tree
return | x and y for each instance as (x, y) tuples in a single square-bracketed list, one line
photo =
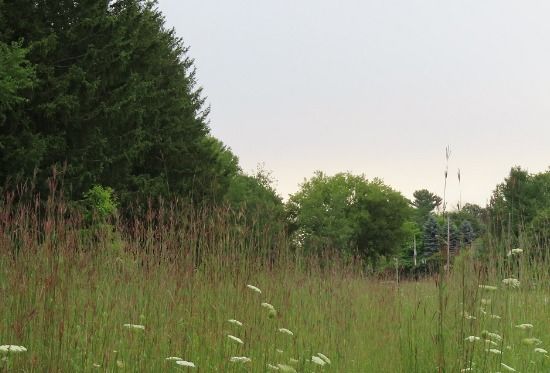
[(424, 202), (116, 100), (430, 237), (467, 232)]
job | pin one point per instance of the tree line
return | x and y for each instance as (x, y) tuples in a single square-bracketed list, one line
[(104, 93)]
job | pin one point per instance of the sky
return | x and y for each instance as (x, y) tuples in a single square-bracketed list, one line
[(378, 88)]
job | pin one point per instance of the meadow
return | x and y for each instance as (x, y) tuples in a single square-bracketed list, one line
[(187, 290)]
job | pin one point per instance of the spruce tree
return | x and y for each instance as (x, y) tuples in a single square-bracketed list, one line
[(116, 100)]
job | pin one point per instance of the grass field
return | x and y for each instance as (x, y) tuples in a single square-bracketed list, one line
[(68, 303)]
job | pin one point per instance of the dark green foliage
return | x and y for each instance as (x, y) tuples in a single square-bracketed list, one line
[(467, 232), (518, 201), (430, 237), (424, 203), (454, 237), (349, 214), (16, 76), (115, 99)]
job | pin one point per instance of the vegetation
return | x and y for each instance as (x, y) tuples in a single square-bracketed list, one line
[(131, 238), (168, 285)]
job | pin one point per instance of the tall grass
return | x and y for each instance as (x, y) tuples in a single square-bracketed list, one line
[(67, 290)]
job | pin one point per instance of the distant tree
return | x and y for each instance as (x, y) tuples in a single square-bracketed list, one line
[(430, 237), (348, 213), (454, 237), (467, 232), (516, 202), (257, 198), (424, 202)]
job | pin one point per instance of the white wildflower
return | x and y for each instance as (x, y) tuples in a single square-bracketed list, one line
[(279, 350), (524, 326), (472, 338), (268, 306), (540, 350), (240, 359), (467, 369), (235, 322), (492, 343), (293, 361), (185, 363), (12, 348), (285, 331), (511, 282), (134, 326), (531, 341), (173, 358), (516, 251), (488, 334), (324, 357), (496, 317), (494, 351), (286, 368), (272, 367), (236, 339), (317, 360), (488, 287), (96, 365), (508, 368), (254, 288)]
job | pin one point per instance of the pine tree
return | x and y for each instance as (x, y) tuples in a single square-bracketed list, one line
[(116, 99), (467, 232), (430, 237)]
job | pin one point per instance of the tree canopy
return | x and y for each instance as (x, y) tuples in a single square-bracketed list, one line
[(115, 100), (348, 213)]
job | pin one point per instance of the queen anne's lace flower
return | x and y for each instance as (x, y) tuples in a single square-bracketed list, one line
[(134, 326), (184, 363), (254, 288), (285, 331), (240, 359), (12, 348), (236, 339), (317, 360), (511, 282)]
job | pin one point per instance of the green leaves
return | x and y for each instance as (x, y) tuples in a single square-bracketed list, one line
[(115, 98), (348, 213), (16, 75)]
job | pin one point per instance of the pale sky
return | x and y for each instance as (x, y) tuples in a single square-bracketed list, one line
[(376, 87)]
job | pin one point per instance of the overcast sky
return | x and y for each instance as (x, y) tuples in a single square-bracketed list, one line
[(376, 87)]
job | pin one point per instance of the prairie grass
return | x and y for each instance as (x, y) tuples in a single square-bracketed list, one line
[(182, 273)]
